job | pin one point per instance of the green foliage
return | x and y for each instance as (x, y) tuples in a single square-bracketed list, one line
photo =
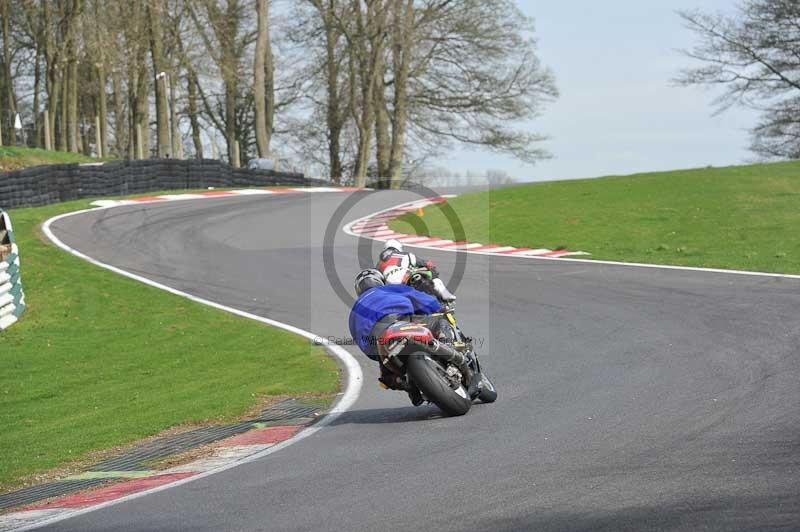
[(99, 360), (740, 217)]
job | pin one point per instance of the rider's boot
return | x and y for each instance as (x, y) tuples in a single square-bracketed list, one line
[(387, 379), (474, 386), (442, 291), (415, 395)]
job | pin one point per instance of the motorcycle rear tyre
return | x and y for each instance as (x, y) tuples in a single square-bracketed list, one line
[(427, 374)]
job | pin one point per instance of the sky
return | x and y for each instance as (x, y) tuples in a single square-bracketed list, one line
[(618, 110)]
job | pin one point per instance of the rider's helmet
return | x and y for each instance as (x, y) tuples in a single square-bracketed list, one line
[(393, 244), (369, 278)]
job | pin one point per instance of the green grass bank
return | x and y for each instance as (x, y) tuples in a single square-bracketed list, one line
[(15, 158), (99, 360), (738, 217)]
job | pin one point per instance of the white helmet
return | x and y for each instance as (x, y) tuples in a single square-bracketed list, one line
[(393, 244)]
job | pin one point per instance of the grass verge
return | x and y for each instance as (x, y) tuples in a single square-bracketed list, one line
[(14, 158), (99, 360), (739, 217)]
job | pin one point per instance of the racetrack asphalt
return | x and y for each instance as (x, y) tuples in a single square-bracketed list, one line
[(629, 398)]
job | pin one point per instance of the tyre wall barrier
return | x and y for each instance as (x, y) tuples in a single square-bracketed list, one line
[(12, 298), (41, 185)]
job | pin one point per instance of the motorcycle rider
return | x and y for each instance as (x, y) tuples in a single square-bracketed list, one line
[(395, 264), (378, 306)]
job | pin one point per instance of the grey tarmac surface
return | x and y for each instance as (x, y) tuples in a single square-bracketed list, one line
[(630, 398)]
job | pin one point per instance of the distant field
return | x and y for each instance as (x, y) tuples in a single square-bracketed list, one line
[(98, 360), (739, 217), (14, 158)]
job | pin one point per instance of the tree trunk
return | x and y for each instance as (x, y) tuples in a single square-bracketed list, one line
[(143, 113), (192, 90), (74, 136), (334, 106), (370, 42), (8, 79), (50, 77), (154, 14), (120, 131), (54, 92), (176, 147), (37, 81), (142, 105), (226, 35), (139, 113), (83, 132), (363, 118), (230, 118), (269, 87), (402, 44), (371, 47), (360, 168), (102, 110), (382, 141), (71, 83), (262, 140), (63, 131)]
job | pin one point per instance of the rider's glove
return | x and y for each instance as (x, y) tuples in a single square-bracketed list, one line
[(422, 283)]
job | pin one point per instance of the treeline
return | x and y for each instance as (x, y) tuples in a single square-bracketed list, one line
[(446, 177), (353, 88), (752, 53)]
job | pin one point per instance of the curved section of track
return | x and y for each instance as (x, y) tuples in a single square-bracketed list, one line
[(630, 399)]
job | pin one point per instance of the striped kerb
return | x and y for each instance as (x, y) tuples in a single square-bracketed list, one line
[(375, 227), (12, 297)]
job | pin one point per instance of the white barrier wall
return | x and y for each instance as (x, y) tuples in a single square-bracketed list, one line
[(12, 298)]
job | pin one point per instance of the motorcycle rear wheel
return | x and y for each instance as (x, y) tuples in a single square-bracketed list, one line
[(429, 376)]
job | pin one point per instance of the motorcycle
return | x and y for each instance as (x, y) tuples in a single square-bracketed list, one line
[(443, 367)]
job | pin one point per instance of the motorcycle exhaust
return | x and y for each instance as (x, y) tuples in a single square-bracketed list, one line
[(448, 354)]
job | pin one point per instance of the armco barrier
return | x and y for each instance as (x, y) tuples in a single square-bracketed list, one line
[(12, 298), (41, 185)]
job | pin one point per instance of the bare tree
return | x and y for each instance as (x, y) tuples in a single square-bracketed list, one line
[(226, 43), (327, 23), (475, 74), (9, 94), (154, 17), (366, 45), (100, 50), (461, 72), (192, 111), (356, 88), (72, 85), (754, 54), (263, 80)]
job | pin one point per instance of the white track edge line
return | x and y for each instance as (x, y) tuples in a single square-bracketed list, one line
[(347, 229), (352, 390)]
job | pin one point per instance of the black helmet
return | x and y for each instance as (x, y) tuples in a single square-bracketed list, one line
[(369, 278)]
